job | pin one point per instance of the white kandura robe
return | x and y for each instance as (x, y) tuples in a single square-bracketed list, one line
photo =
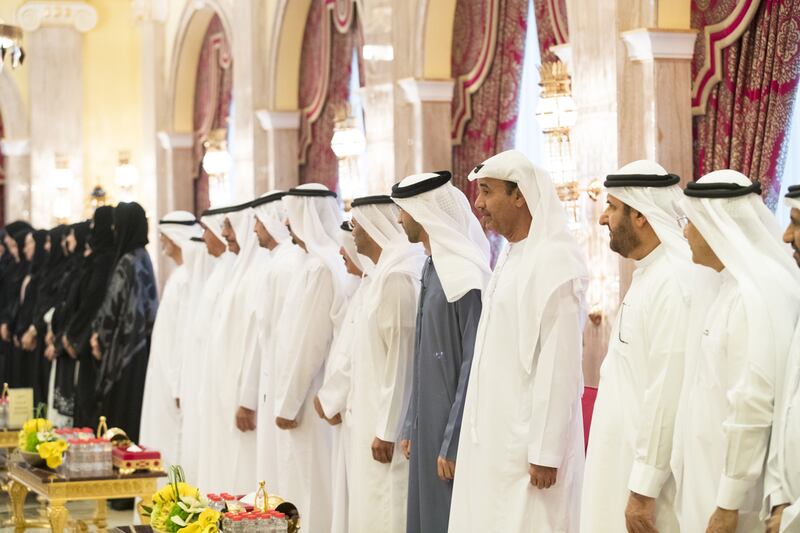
[(161, 418), (256, 384), (305, 332), (380, 386), (699, 455), (782, 483), (194, 405), (513, 419), (232, 453), (333, 397), (630, 443)]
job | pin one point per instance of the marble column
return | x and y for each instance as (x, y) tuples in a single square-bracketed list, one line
[(150, 16), (660, 118), (249, 94), (16, 154), (54, 49), (428, 117), (280, 130), (176, 183)]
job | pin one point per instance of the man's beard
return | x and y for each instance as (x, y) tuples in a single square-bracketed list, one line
[(623, 239)]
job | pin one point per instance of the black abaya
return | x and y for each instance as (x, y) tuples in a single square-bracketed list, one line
[(124, 323)]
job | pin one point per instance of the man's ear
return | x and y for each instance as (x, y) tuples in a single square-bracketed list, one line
[(519, 200), (639, 219)]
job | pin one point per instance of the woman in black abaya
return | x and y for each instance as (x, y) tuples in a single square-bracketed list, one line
[(16, 232), (25, 366), (81, 308), (61, 397), (124, 324)]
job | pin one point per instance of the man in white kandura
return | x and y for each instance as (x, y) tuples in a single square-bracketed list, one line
[(380, 369), (782, 483), (256, 385), (161, 415), (520, 454), (305, 330), (736, 355), (194, 431), (627, 483), (227, 455), (332, 396)]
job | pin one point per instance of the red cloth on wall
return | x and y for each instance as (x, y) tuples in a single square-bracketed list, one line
[(319, 163), (495, 104), (212, 100), (747, 118)]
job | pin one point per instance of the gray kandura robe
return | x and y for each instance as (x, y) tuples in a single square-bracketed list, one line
[(445, 341)]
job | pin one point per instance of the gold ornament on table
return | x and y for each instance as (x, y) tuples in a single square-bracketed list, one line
[(126, 455)]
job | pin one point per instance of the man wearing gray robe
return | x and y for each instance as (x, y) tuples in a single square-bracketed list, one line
[(438, 215)]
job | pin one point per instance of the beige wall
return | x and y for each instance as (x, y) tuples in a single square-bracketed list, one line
[(112, 98)]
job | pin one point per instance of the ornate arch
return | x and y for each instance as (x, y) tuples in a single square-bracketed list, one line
[(194, 21)]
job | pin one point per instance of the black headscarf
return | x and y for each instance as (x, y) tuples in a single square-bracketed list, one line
[(39, 254), (82, 230), (101, 238), (130, 228), (17, 226), (57, 264)]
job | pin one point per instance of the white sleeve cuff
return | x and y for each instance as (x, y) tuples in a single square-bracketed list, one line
[(539, 458), (778, 498), (732, 492), (647, 480)]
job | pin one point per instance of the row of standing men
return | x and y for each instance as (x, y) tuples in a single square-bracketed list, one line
[(410, 387)]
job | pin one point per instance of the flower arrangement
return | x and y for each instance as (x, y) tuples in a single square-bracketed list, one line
[(179, 508), (37, 436)]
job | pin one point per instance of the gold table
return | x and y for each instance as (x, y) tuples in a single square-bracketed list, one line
[(9, 438), (58, 490)]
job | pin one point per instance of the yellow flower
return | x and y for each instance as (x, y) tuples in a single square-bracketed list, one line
[(167, 494), (196, 527), (52, 452), (208, 516)]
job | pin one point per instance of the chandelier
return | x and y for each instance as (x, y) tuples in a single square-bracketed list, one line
[(11, 45), (217, 163), (557, 114), (348, 143)]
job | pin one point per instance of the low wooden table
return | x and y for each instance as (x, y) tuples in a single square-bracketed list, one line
[(58, 490)]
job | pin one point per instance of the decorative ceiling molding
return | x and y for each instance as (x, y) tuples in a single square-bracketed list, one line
[(469, 83), (647, 44), (149, 10), (176, 140), (718, 37), (278, 120), (34, 15), (416, 91)]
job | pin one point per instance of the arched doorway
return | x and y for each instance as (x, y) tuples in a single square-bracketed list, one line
[(195, 106)]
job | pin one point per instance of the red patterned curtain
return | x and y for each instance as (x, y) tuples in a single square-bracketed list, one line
[(212, 100), (494, 105), (551, 26), (747, 115), (325, 70)]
